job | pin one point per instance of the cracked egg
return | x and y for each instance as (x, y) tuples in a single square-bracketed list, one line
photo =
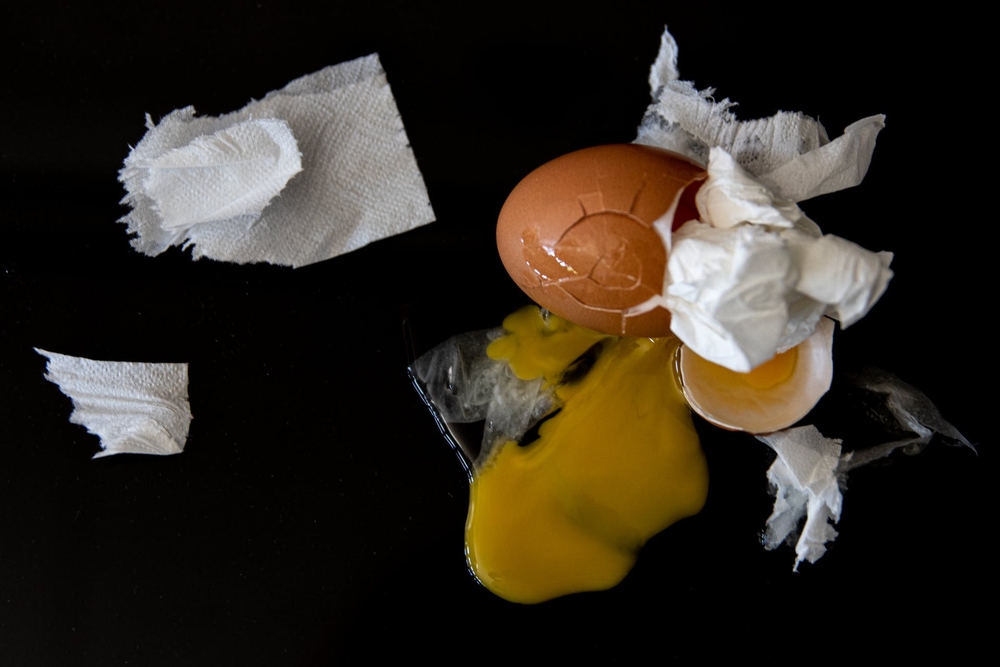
[(585, 235)]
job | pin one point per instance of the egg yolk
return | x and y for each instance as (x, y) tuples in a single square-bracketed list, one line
[(769, 374), (618, 463)]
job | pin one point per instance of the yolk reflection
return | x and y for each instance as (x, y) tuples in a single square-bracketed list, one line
[(617, 464)]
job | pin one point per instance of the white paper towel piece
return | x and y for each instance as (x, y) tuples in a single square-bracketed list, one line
[(359, 182), (664, 69), (136, 408), (789, 152), (727, 293), (731, 196), (804, 481), (233, 173), (843, 275)]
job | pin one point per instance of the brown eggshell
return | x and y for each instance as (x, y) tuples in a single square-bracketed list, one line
[(577, 234)]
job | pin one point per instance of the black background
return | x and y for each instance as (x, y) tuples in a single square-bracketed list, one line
[(316, 514)]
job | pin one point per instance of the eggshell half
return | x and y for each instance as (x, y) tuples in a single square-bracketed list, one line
[(748, 402), (577, 234)]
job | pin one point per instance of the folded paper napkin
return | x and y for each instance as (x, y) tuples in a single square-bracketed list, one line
[(136, 408), (314, 170)]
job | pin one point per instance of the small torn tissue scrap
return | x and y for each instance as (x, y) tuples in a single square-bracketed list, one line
[(809, 474), (314, 170), (804, 481), (134, 408)]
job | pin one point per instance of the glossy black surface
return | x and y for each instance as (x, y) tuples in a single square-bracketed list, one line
[(317, 514)]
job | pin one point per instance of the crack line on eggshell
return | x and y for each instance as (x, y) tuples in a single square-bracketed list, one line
[(551, 252), (590, 215), (635, 197), (650, 304), (592, 203), (587, 305), (625, 313), (544, 281)]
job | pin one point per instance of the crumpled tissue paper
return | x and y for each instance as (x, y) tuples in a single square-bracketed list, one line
[(314, 170), (134, 408), (804, 480), (754, 275)]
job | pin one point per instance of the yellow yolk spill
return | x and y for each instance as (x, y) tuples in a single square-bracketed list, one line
[(619, 463), (541, 346)]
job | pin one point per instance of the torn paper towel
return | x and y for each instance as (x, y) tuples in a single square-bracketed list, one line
[(134, 408), (230, 188), (790, 153), (753, 276), (804, 481)]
